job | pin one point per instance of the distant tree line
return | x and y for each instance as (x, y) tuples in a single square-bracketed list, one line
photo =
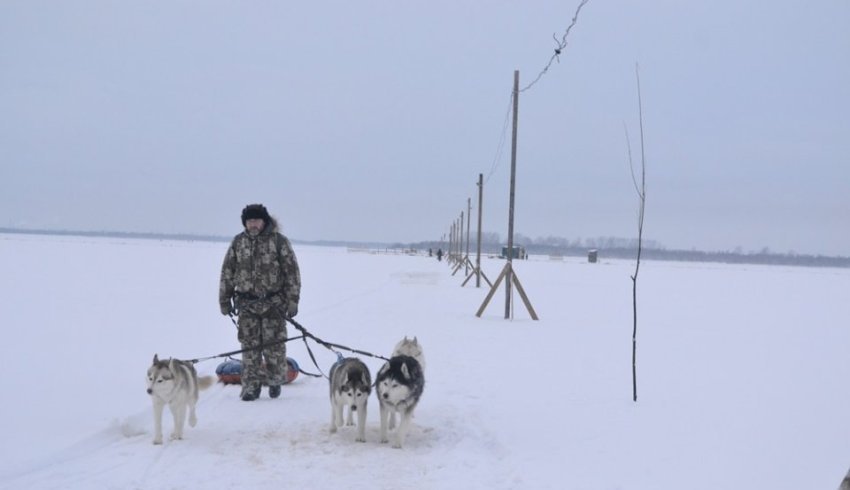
[(491, 244), (626, 248), (120, 234)]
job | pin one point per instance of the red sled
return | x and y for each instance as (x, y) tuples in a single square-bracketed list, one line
[(230, 371)]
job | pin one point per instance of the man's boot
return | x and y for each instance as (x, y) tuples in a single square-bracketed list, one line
[(251, 393)]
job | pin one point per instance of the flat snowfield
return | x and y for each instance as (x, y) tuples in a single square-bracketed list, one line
[(743, 373)]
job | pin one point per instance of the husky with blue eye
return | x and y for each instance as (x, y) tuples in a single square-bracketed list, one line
[(176, 384), (351, 385), (399, 385)]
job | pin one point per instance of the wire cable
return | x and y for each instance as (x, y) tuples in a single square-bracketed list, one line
[(562, 44)]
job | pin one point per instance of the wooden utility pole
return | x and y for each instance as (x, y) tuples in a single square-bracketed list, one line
[(464, 256), (468, 221), (480, 211), (451, 247), (454, 243), (460, 243), (508, 274), (461, 260), (476, 269), (458, 240)]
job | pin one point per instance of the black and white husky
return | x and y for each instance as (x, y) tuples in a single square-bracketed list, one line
[(399, 386), (412, 348), (175, 383), (351, 385)]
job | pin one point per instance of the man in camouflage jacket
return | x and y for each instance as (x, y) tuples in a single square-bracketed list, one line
[(260, 281)]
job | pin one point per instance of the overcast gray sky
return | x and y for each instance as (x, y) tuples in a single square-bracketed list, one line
[(371, 120)]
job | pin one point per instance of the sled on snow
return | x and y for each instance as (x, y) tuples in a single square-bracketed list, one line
[(230, 371)]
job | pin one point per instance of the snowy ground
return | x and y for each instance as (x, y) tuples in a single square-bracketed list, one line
[(742, 374)]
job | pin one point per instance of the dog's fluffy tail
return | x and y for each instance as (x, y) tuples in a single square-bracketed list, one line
[(205, 382)]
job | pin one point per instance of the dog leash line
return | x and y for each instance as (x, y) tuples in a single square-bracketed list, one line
[(330, 345)]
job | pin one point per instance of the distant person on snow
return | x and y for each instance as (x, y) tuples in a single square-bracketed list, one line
[(439, 254), (261, 282)]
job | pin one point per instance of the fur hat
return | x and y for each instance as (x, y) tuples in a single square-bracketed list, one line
[(255, 211)]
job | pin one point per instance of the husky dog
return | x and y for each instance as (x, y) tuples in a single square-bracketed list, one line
[(351, 385), (399, 385), (412, 348), (177, 384), (845, 483)]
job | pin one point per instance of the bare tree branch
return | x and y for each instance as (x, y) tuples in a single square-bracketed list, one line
[(631, 163), (642, 198)]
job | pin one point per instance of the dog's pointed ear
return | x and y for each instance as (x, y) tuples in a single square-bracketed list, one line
[(171, 364), (364, 379), (345, 378), (415, 340), (155, 358), (405, 371)]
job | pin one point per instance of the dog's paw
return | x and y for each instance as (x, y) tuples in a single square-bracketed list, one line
[(157, 441), (396, 445), (175, 436), (332, 429), (361, 439), (384, 440)]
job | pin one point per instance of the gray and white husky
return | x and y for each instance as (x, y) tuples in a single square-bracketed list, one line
[(399, 386), (175, 383), (412, 348), (351, 385)]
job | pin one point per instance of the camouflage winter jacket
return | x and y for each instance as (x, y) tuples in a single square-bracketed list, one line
[(260, 271)]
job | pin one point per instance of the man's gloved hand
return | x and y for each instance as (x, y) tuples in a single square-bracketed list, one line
[(292, 310), (226, 308)]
